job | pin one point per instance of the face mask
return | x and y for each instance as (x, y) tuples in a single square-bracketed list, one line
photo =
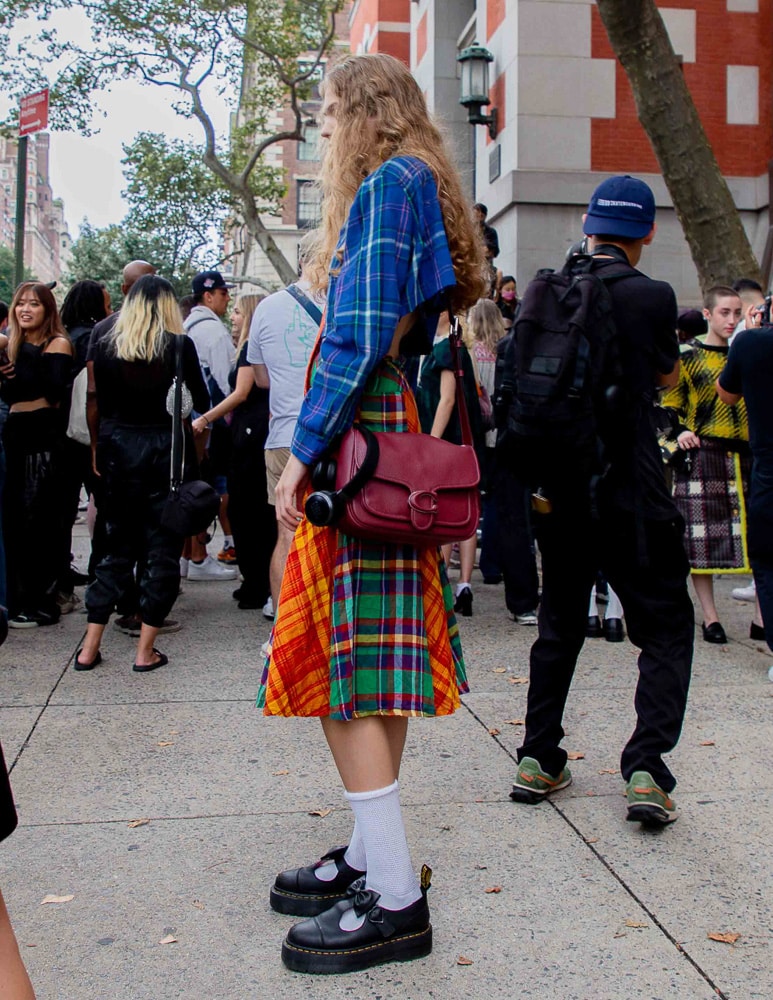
[(508, 296)]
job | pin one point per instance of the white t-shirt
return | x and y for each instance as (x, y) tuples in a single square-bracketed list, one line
[(282, 335)]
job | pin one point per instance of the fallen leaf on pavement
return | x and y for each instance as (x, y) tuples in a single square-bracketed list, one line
[(514, 722), (518, 680), (138, 822), (481, 868), (320, 812), (609, 770), (198, 904), (462, 960), (56, 899), (493, 732), (730, 938), (280, 772), (494, 888), (576, 755), (165, 743), (708, 743), (620, 934), (591, 840), (169, 939), (499, 670), (633, 923)]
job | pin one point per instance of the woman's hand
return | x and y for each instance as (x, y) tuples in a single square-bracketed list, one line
[(289, 493), (688, 440), (200, 425), (94, 468), (7, 370)]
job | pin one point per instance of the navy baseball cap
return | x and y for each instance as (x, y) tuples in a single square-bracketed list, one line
[(208, 281), (621, 206)]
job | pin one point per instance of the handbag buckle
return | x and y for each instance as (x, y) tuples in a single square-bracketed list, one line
[(423, 505)]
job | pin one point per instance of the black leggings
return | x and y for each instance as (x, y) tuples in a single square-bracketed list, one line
[(34, 529), (134, 465)]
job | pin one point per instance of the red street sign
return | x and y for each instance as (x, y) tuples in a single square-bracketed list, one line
[(33, 112)]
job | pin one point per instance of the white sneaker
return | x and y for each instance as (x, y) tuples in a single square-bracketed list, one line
[(528, 618), (268, 609), (746, 593), (210, 569), (184, 566)]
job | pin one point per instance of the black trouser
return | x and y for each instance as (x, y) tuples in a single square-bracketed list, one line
[(33, 520), (253, 518), (134, 464), (514, 541), (645, 563), (76, 473), (760, 537)]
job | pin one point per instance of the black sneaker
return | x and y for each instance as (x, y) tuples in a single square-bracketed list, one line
[(299, 891), (319, 945)]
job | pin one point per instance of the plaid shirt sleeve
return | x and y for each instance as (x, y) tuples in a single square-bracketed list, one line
[(395, 259)]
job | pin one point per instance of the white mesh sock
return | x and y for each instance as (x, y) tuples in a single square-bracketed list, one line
[(355, 852), (380, 824), (592, 609), (614, 607)]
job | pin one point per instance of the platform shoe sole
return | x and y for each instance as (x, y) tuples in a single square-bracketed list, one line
[(296, 905), (400, 948)]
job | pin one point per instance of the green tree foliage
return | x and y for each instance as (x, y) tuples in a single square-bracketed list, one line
[(7, 269), (254, 55)]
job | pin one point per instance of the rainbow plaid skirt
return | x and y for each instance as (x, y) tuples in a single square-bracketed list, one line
[(364, 628)]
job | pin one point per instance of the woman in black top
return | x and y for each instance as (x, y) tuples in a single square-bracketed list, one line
[(35, 381), (133, 371), (253, 518)]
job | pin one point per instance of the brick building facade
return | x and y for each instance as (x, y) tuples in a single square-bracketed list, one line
[(567, 116), (46, 238)]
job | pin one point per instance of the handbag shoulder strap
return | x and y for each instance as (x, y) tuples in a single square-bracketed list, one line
[(303, 300), (176, 462), (455, 341)]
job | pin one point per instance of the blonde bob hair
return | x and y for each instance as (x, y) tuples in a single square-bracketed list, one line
[(149, 311), (378, 88), (247, 302), (486, 324)]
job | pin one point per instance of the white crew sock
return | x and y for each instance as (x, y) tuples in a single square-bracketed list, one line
[(389, 869), (355, 852), (592, 609), (614, 607), (462, 586), (228, 541)]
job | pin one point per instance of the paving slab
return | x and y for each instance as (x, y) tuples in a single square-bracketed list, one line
[(16, 725), (205, 882)]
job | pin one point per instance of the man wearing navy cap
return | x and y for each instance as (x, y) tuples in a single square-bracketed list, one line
[(636, 540)]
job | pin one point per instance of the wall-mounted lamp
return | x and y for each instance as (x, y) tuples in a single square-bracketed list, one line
[(474, 91)]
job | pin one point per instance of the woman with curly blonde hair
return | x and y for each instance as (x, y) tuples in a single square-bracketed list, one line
[(365, 635)]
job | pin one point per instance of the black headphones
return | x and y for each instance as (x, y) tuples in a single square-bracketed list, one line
[(325, 506)]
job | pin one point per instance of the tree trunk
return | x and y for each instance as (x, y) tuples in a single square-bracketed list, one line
[(704, 206), (266, 242)]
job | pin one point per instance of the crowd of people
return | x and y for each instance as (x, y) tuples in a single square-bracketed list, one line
[(366, 632)]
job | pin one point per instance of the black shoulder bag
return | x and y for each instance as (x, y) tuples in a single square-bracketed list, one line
[(190, 507)]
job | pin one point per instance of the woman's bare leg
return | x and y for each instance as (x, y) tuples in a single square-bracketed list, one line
[(91, 644), (704, 590), (14, 982), (145, 655)]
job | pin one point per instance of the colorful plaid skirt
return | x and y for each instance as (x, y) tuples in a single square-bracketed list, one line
[(711, 496), (364, 628)]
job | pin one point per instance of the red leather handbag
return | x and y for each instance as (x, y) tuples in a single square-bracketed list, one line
[(410, 489)]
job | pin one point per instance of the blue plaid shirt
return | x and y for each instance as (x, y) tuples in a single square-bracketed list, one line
[(395, 259)]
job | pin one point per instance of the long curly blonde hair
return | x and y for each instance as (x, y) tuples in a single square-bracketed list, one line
[(380, 88)]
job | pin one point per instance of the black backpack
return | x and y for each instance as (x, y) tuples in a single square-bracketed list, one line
[(560, 375)]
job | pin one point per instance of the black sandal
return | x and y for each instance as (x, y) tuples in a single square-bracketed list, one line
[(143, 668), (86, 666)]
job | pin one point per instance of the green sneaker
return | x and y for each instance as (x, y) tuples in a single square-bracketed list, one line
[(647, 802), (532, 784)]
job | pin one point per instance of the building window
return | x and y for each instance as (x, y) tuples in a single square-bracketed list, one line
[(308, 204), (309, 150)]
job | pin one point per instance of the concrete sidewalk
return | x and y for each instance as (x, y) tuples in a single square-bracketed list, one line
[(589, 906)]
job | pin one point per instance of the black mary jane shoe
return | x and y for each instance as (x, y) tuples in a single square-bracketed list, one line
[(299, 892), (319, 945), (714, 633), (613, 630), (463, 602), (593, 629), (79, 665), (756, 631)]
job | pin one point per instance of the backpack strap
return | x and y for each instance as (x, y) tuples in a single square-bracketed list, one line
[(305, 302)]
